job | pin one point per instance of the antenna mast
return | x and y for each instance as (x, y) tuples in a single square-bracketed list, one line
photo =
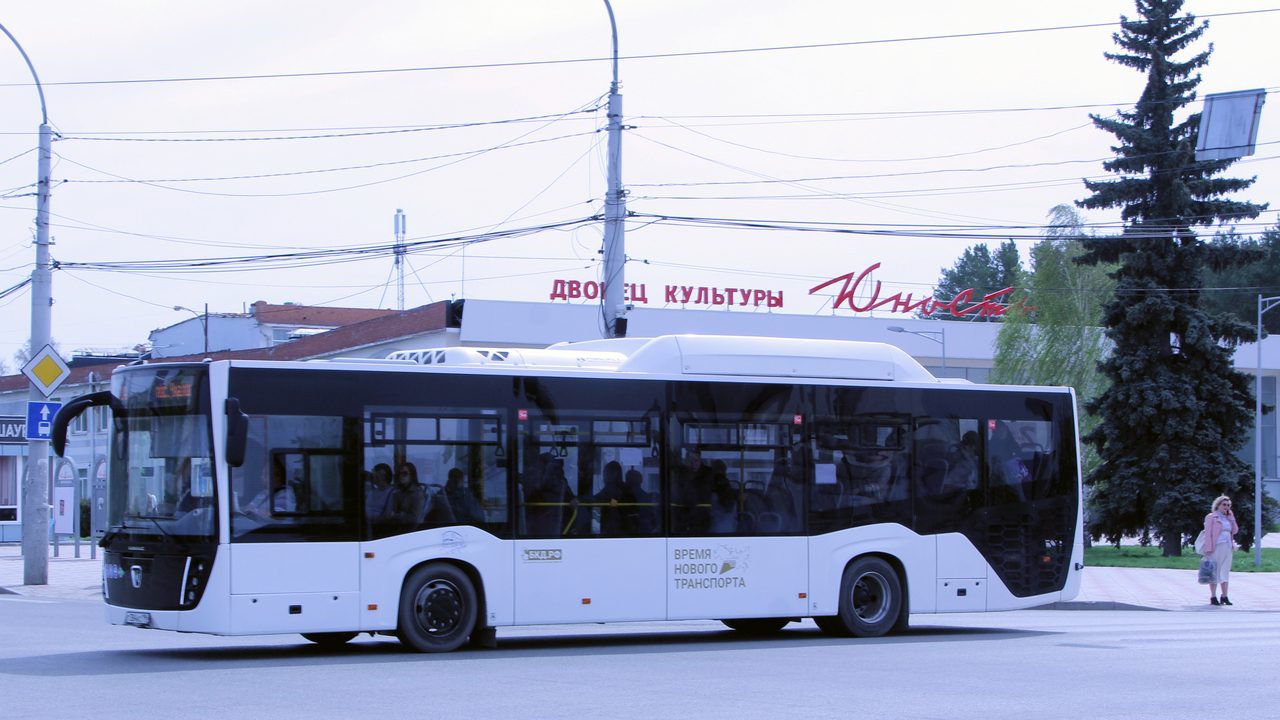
[(399, 258)]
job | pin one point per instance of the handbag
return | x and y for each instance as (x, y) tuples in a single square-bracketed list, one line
[(1200, 543), (1208, 571)]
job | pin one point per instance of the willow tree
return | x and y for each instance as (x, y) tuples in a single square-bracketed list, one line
[(1176, 413), (1054, 336)]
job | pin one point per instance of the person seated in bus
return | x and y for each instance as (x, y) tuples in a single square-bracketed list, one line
[(723, 513), (692, 496), (606, 504), (466, 507), (439, 512), (962, 475), (786, 498), (640, 517), (552, 506), (408, 502), (869, 472), (276, 498), (377, 493), (1004, 463)]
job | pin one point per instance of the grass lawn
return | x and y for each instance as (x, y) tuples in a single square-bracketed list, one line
[(1137, 556)]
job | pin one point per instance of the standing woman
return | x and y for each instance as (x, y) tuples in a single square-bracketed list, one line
[(1219, 527)]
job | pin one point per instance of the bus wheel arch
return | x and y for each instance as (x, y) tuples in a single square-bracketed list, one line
[(440, 606), (873, 598)]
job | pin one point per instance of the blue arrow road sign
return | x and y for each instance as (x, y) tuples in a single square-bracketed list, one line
[(40, 419)]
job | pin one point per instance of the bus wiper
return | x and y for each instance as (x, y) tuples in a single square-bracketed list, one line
[(155, 520)]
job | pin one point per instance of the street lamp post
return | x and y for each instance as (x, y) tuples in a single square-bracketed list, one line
[(615, 208), (204, 322), (1264, 304), (35, 489), (941, 339)]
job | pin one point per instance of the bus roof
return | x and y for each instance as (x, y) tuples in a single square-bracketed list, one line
[(731, 355)]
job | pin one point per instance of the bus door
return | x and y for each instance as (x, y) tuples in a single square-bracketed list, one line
[(589, 545), (737, 547)]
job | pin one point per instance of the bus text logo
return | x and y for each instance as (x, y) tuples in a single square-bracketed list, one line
[(532, 555), (709, 568)]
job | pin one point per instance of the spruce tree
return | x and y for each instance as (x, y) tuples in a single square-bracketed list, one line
[(1176, 412), (985, 273)]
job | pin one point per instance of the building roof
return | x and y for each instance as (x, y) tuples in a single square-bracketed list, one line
[(290, 314), (388, 326)]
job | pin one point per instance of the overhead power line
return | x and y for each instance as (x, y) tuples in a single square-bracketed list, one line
[(650, 56), (312, 258), (325, 135)]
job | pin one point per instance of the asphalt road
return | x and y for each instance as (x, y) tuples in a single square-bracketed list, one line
[(59, 659)]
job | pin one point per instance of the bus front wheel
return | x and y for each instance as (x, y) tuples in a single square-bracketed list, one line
[(871, 599), (438, 608)]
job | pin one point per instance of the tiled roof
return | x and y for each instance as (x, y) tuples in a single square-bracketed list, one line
[(269, 314)]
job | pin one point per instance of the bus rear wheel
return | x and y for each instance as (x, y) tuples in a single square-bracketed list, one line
[(330, 639), (871, 599), (757, 626), (438, 608)]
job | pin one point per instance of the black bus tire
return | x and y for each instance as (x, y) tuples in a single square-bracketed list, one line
[(438, 608), (831, 625), (871, 597), (330, 639)]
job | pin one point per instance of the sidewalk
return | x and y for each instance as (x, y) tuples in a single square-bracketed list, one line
[(1101, 588), (70, 578)]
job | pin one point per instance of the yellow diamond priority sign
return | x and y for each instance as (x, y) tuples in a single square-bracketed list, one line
[(46, 370)]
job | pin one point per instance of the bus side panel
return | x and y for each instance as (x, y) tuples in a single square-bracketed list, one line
[(589, 580), (736, 577), (385, 564), (294, 587), (962, 575), (830, 553)]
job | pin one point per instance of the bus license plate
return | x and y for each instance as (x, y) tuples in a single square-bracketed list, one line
[(137, 619)]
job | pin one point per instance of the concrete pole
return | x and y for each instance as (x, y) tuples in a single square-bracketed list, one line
[(615, 205), (35, 490)]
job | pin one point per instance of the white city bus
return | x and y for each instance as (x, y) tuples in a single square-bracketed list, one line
[(756, 481)]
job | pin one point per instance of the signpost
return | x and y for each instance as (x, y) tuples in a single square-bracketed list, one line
[(40, 419), (46, 371)]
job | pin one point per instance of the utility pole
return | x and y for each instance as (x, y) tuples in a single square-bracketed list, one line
[(615, 209), (35, 488), (399, 258)]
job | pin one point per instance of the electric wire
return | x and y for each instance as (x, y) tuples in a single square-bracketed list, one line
[(648, 56)]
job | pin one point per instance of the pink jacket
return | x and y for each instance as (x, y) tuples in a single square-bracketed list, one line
[(1212, 528)]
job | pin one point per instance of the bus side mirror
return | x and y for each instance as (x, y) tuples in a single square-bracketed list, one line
[(69, 412), (237, 433)]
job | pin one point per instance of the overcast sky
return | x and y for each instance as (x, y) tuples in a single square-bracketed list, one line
[(908, 115)]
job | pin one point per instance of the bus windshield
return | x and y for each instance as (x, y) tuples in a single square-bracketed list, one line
[(161, 481)]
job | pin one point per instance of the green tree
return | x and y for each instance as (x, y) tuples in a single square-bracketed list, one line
[(1176, 412), (982, 271), (1235, 290), (1056, 337)]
